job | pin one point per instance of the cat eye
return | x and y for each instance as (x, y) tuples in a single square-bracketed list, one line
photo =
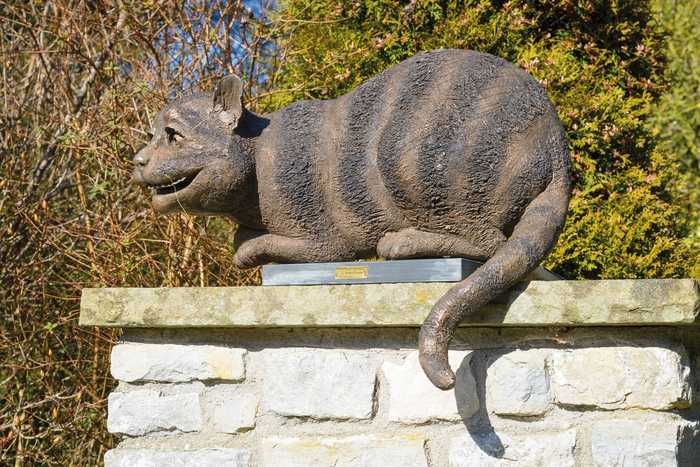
[(173, 134)]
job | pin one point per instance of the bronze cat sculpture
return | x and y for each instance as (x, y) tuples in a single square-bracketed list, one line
[(448, 153)]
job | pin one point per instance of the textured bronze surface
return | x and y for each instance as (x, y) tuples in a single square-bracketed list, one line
[(448, 153)]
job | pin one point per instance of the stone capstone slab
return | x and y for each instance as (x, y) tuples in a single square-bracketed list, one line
[(229, 408), (621, 377), (633, 443), (176, 363), (517, 383), (354, 451), (224, 457), (413, 398), (139, 412), (537, 303), (510, 450), (323, 384)]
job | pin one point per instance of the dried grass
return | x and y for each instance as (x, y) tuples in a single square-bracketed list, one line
[(81, 81)]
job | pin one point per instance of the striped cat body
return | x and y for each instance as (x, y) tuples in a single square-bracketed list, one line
[(448, 153), (430, 143)]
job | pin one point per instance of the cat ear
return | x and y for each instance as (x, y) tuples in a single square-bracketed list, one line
[(227, 99)]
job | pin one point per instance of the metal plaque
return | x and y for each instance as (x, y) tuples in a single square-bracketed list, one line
[(351, 272)]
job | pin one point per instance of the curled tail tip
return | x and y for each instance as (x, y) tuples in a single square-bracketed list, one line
[(436, 367), (437, 371)]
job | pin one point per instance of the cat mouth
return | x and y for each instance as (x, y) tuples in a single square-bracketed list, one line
[(172, 187)]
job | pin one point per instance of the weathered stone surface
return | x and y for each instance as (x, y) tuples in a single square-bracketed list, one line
[(178, 458), (355, 451), (507, 450), (634, 443), (621, 377), (517, 383), (648, 387), (320, 383), (414, 399), (139, 412), (229, 408), (176, 363), (606, 302)]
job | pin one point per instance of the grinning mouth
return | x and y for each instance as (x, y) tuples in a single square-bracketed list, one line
[(174, 187)]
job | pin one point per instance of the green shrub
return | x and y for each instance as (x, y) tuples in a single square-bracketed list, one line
[(601, 63), (677, 116)]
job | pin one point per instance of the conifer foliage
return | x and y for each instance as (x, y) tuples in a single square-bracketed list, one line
[(602, 64)]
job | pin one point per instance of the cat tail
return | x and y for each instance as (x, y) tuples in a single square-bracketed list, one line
[(533, 237)]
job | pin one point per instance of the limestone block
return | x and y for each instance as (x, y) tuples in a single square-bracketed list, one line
[(229, 408), (177, 363), (517, 383), (354, 451), (633, 443), (508, 450), (139, 412), (318, 383), (621, 377), (543, 303), (177, 458), (413, 398)]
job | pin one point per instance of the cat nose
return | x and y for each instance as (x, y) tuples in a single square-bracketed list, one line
[(141, 158)]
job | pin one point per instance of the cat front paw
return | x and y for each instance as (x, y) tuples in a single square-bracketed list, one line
[(396, 245), (248, 255)]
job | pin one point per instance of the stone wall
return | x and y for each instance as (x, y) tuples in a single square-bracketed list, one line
[(526, 395)]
